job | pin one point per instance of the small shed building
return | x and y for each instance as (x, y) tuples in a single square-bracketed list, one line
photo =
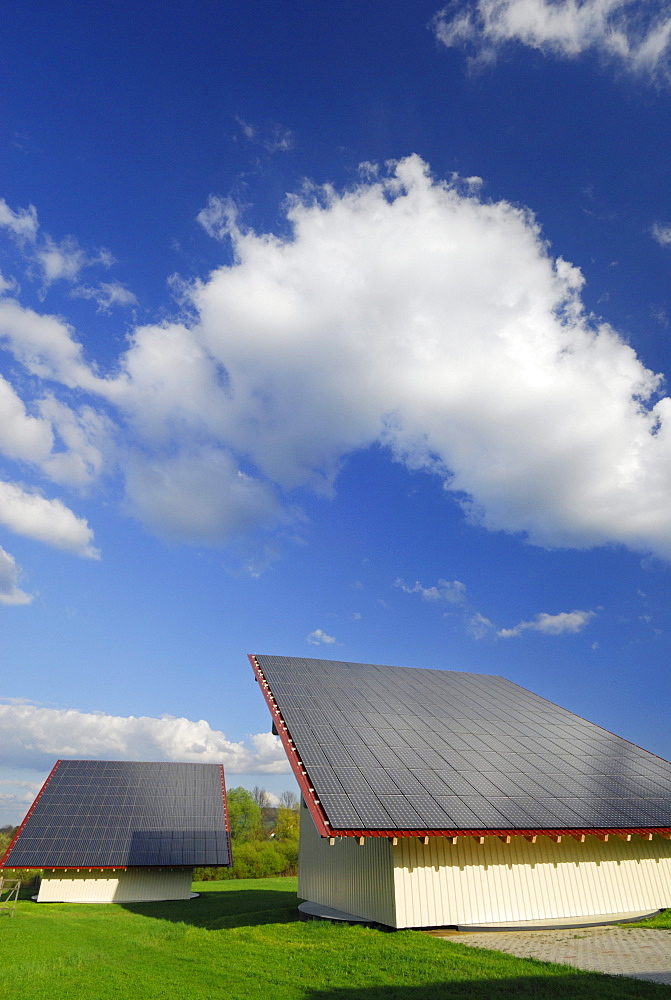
[(441, 798), (123, 831)]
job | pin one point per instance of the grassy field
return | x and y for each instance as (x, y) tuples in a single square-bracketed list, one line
[(241, 940), (662, 920)]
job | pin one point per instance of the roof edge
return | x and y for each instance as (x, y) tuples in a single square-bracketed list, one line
[(297, 766), (624, 833)]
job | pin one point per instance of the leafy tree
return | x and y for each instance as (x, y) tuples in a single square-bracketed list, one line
[(6, 837), (244, 815), (286, 825)]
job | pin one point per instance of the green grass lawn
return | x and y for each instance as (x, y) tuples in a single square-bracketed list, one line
[(241, 940), (662, 920)]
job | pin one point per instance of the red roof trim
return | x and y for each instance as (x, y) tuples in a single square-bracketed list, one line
[(561, 832), (227, 823), (300, 772), (84, 868)]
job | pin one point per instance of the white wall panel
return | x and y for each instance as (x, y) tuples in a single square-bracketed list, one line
[(345, 876), (134, 885), (441, 884)]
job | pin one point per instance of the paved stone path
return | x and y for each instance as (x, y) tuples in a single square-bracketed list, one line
[(618, 951)]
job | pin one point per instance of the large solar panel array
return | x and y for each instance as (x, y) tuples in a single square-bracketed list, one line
[(119, 813), (398, 748)]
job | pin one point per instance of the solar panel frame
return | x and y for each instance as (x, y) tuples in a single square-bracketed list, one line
[(106, 814), (478, 738)]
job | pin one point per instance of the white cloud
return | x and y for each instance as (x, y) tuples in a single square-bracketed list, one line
[(34, 737), (447, 591), (44, 520), (662, 234), (566, 621), (478, 625), (54, 260), (84, 438), (10, 593), (219, 216), (45, 345), (272, 138), (199, 496), (67, 445), (404, 311), (8, 285), (319, 638), (106, 295), (65, 260), (22, 436), (22, 223), (636, 36), (16, 797)]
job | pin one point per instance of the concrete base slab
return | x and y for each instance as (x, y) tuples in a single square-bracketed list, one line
[(562, 923), (315, 911)]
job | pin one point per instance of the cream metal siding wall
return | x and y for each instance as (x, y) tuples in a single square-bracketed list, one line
[(345, 876), (135, 885), (440, 884)]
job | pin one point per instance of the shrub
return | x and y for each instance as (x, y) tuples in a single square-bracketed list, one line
[(256, 859)]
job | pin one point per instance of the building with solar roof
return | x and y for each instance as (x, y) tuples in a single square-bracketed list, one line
[(123, 831), (442, 798)]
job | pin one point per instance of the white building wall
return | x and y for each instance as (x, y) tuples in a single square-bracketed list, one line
[(135, 885), (412, 885), (440, 884), (345, 876)]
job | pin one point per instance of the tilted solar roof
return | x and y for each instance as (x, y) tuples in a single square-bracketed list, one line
[(380, 748), (106, 814)]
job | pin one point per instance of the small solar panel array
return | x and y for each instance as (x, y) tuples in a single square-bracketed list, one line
[(104, 814), (400, 748)]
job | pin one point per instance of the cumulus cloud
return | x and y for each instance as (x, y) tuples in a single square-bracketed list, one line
[(478, 625), (45, 345), (45, 520), (404, 311), (22, 435), (32, 736), (662, 234), (67, 445), (16, 797), (22, 223), (65, 260), (106, 295), (447, 591), (635, 36), (566, 621), (10, 593), (198, 496), (219, 216), (83, 441), (49, 259), (320, 638)]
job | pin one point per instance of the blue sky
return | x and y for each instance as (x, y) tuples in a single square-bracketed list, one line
[(328, 329)]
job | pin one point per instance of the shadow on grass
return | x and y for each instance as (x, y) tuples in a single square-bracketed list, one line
[(570, 986), (217, 910)]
